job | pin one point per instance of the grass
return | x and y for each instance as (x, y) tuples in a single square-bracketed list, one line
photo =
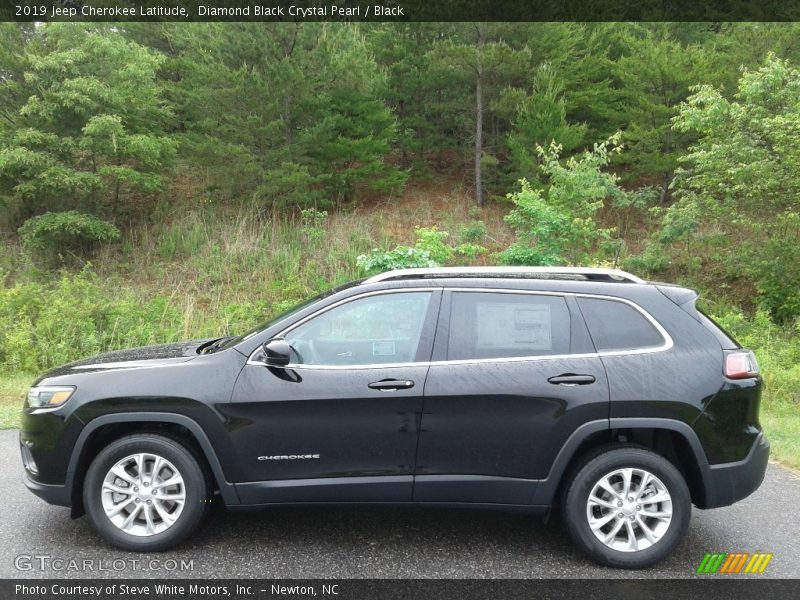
[(781, 421), (13, 388)]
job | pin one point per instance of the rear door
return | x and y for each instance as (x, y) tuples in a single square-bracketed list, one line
[(514, 373)]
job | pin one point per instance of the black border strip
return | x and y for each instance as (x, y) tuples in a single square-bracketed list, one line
[(709, 588), (400, 10)]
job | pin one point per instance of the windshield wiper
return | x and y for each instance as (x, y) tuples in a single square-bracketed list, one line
[(215, 345)]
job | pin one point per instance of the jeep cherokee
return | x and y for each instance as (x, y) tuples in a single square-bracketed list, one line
[(613, 398)]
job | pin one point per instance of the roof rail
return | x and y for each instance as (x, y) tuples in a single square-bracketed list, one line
[(574, 273)]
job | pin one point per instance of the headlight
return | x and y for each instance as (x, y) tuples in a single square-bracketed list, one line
[(49, 396)]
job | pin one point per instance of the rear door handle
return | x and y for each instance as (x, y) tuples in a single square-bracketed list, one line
[(391, 385), (572, 379)]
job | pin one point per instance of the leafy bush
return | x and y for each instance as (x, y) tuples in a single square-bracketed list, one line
[(653, 259), (555, 224), (539, 227), (312, 223), (431, 240), (64, 235), (469, 251), (739, 179), (402, 257), (473, 233), (430, 250), (776, 270)]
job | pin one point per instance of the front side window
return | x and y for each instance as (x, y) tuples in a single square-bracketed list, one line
[(496, 325), (380, 329)]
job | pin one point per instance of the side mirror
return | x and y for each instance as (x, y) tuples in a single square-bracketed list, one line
[(277, 352)]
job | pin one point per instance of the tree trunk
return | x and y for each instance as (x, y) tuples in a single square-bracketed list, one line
[(666, 148), (664, 197), (479, 119), (115, 208)]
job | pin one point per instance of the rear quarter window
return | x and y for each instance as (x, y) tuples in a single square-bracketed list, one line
[(616, 325)]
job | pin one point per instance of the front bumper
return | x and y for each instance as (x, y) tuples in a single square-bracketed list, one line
[(727, 483), (52, 494)]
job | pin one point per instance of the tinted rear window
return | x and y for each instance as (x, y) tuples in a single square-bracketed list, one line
[(618, 326), (492, 325)]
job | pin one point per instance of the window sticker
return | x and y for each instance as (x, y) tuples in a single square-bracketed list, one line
[(532, 327), (383, 349), (514, 325)]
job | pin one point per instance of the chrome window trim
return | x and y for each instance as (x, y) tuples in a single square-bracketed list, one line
[(667, 345)]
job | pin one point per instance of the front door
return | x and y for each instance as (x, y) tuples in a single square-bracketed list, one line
[(513, 375), (341, 421)]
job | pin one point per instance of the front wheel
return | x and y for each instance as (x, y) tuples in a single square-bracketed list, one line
[(145, 492), (627, 507)]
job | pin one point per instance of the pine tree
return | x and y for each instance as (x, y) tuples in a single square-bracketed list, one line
[(93, 133)]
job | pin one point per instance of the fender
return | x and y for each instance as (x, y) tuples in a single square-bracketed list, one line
[(227, 489), (673, 425), (547, 488), (543, 496)]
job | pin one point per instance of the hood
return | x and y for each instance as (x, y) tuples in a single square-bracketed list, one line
[(131, 358)]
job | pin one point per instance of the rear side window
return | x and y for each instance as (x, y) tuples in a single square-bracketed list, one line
[(494, 325), (616, 325)]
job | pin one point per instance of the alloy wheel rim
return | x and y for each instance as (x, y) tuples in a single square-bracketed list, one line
[(629, 510), (143, 494)]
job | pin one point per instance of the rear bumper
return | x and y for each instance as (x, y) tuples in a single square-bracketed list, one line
[(727, 483), (52, 494)]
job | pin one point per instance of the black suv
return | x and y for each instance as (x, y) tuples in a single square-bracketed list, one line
[(591, 389)]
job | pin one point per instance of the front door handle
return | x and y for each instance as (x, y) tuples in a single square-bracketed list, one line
[(391, 385), (572, 379)]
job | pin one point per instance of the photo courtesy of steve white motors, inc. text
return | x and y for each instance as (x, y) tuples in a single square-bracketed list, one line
[(193, 590)]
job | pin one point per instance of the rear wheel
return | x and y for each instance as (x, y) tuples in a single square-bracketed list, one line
[(627, 507), (145, 492)]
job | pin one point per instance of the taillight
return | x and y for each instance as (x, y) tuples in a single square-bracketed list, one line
[(741, 364)]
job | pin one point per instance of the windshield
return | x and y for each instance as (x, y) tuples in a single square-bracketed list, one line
[(295, 309)]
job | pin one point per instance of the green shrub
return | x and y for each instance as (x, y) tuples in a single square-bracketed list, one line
[(62, 236), (554, 222), (776, 272), (653, 259), (469, 251), (312, 224), (473, 233), (430, 250), (431, 240), (402, 257)]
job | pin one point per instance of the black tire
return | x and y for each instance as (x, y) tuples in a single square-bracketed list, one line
[(197, 488), (577, 491)]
